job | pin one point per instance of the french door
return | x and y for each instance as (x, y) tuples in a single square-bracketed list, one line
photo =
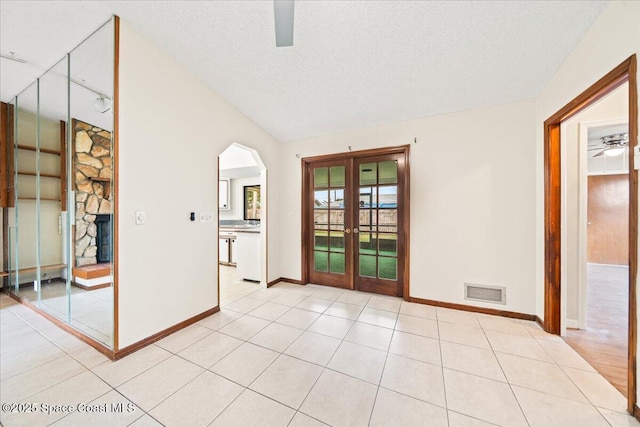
[(355, 225)]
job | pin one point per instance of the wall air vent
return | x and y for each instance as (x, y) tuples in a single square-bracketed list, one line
[(493, 294)]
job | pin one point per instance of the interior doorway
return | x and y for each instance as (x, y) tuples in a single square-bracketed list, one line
[(242, 223), (555, 239), (597, 326), (356, 220)]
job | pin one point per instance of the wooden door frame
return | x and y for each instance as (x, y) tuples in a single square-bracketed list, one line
[(623, 73), (306, 232)]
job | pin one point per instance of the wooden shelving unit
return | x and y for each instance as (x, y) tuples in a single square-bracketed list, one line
[(42, 150), (61, 153), (34, 269), (42, 175)]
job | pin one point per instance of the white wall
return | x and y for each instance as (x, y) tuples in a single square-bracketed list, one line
[(613, 37), (472, 200), (172, 129), (612, 107), (237, 197)]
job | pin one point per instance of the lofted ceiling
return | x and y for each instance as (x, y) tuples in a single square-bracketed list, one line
[(353, 64)]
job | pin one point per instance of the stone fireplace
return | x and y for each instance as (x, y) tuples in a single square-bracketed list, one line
[(92, 163)]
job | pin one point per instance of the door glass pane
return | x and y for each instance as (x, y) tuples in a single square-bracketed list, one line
[(367, 266), (387, 244), (320, 261), (367, 242), (320, 219), (320, 177), (320, 240), (388, 196), (368, 197), (368, 174), (336, 241), (336, 261), (336, 198), (321, 199), (388, 172), (388, 220), (337, 220), (337, 176), (367, 217), (387, 268)]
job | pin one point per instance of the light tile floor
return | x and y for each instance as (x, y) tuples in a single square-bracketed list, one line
[(90, 311), (308, 356), (233, 287)]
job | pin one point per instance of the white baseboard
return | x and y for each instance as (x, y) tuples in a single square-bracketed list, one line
[(572, 324)]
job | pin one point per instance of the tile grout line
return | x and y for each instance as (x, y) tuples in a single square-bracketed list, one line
[(384, 366), (324, 368), (507, 378), (444, 383), (264, 370)]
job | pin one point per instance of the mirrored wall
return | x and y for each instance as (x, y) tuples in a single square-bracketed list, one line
[(59, 218)]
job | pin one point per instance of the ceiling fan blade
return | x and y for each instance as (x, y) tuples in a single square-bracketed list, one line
[(596, 148), (600, 153), (283, 13)]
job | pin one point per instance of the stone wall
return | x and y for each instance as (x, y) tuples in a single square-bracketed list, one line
[(93, 177)]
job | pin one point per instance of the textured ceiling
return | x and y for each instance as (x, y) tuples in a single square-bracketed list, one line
[(353, 63)]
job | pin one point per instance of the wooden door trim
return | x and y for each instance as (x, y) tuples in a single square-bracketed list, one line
[(625, 72), (116, 182), (356, 154), (305, 217)]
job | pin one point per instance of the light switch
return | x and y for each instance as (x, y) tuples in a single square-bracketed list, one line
[(141, 218)]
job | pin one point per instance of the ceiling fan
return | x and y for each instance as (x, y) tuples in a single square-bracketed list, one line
[(283, 14), (611, 145)]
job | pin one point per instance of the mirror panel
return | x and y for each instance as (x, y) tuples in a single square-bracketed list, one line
[(60, 218), (50, 168), (25, 212), (91, 153)]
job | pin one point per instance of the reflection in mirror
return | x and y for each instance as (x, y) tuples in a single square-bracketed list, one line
[(60, 216), (25, 253), (91, 154), (49, 176), (10, 236)]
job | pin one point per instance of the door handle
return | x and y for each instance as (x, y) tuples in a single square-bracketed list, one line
[(355, 230)]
